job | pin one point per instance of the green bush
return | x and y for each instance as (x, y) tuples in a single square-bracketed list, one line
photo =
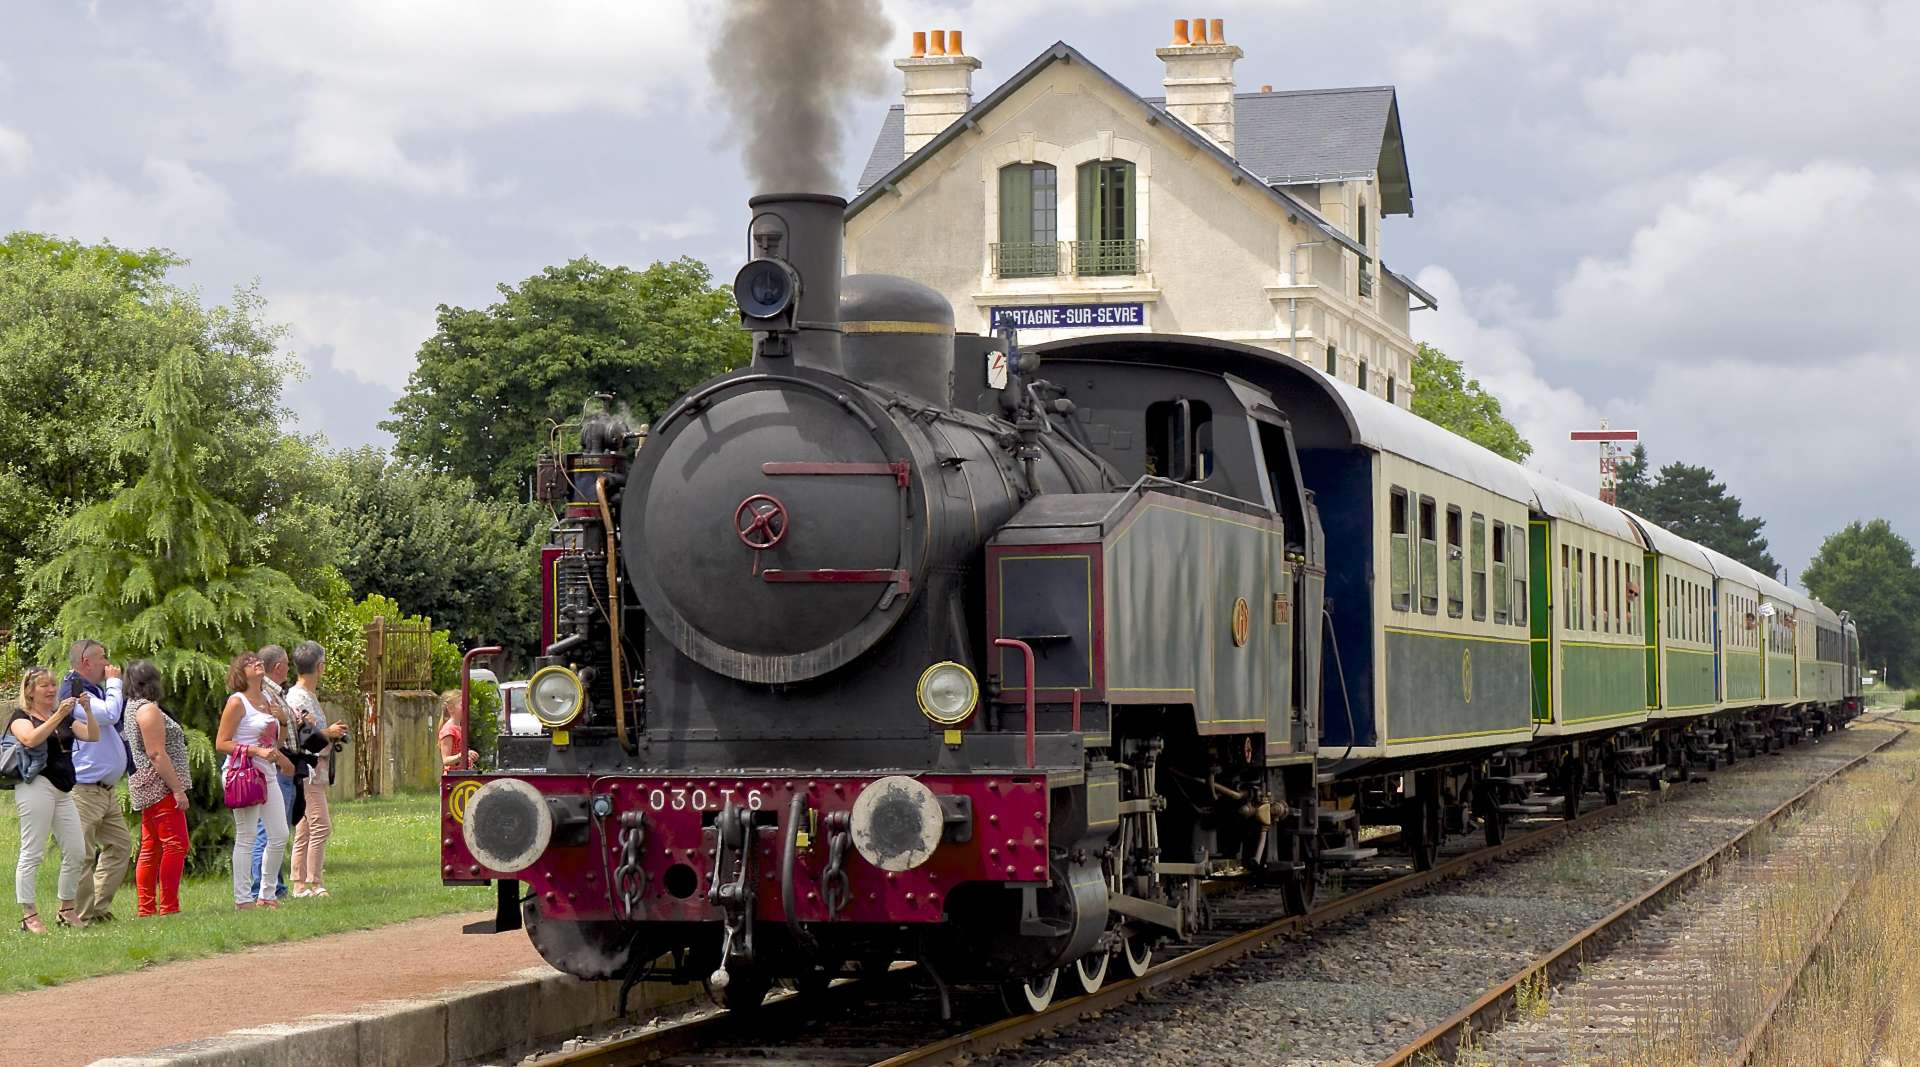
[(1913, 701)]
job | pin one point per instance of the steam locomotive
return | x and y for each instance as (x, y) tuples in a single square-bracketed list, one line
[(908, 644)]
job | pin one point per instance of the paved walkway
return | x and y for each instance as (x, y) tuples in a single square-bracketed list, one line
[(119, 1014)]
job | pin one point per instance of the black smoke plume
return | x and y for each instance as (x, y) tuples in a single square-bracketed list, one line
[(786, 70)]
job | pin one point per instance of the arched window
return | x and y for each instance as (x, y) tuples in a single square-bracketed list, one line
[(1107, 241), (1029, 222)]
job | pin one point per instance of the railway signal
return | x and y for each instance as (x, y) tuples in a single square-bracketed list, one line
[(1609, 455)]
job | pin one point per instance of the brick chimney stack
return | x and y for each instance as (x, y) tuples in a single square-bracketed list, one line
[(939, 87), (1199, 79)]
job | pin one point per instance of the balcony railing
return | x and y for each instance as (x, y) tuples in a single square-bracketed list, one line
[(1046, 259), (1026, 259), (1108, 257)]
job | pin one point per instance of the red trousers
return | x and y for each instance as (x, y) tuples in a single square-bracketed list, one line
[(163, 858)]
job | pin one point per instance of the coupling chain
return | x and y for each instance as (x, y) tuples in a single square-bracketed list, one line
[(835, 888), (630, 878)]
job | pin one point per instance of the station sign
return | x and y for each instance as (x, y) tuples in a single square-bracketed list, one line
[(1069, 317)]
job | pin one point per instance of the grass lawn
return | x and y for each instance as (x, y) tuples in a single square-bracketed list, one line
[(383, 866)]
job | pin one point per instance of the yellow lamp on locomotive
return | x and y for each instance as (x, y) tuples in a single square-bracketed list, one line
[(948, 693), (556, 696)]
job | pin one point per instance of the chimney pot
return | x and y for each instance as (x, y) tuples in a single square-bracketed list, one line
[(919, 43), (1180, 33), (953, 44), (1266, 88), (1199, 31), (937, 43), (1217, 31)]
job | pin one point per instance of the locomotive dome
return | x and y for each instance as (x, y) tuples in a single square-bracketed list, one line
[(897, 334)]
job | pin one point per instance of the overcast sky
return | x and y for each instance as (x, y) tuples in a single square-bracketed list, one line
[(1694, 219)]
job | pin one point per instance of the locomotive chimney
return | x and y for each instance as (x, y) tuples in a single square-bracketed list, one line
[(803, 231)]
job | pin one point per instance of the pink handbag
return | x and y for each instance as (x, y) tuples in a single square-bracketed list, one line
[(245, 785)]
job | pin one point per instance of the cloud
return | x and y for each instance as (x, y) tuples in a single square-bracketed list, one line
[(173, 205), (15, 151), (387, 90), (370, 338)]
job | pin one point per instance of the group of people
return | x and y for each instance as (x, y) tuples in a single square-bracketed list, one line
[(85, 732)]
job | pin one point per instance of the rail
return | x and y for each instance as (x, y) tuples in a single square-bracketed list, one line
[(1494, 1006)]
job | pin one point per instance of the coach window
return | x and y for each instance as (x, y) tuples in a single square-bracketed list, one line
[(1605, 593), (1501, 592), (1429, 562), (1619, 601), (1477, 545), (1566, 588), (1517, 548), (1400, 552), (1456, 566), (1579, 589)]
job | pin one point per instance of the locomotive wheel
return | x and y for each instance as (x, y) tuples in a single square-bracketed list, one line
[(1089, 972), (1493, 823), (1029, 996), (1610, 785), (1298, 890), (1136, 953)]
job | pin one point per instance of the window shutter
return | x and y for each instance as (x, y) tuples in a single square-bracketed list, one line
[(1016, 204), (1126, 220), (1088, 208)]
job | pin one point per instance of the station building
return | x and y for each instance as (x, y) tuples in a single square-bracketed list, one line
[(1065, 203)]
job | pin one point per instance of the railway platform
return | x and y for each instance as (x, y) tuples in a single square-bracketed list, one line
[(419, 993)]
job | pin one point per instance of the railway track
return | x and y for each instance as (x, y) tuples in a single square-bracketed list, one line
[(854, 1023), (1648, 983)]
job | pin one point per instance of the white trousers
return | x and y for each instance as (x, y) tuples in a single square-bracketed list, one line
[(246, 826), (45, 810)]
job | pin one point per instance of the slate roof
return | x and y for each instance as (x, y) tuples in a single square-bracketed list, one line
[(1285, 138), (1061, 52)]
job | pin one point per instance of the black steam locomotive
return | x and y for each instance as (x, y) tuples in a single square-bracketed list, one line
[(905, 644)]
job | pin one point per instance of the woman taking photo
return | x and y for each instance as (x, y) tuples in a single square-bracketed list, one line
[(158, 789), (248, 727), (45, 801), (310, 720)]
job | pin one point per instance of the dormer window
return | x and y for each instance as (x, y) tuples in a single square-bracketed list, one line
[(1029, 222)]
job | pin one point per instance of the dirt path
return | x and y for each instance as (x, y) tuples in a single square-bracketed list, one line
[(183, 1001)]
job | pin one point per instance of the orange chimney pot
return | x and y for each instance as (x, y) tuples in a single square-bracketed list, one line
[(1266, 88), (1199, 31), (937, 43), (953, 44), (1180, 33), (1217, 31), (919, 43)]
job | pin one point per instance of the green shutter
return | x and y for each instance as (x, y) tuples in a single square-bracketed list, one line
[(1126, 220), (1016, 204), (1088, 207)]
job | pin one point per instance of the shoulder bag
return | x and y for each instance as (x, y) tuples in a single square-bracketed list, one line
[(244, 785)]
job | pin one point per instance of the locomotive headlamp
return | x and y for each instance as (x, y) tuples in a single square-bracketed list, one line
[(764, 288), (556, 696), (948, 693)]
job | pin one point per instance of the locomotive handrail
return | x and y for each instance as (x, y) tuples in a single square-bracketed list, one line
[(466, 695), (1150, 481), (1026, 652), (695, 400)]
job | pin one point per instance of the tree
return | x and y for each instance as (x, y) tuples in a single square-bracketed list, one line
[(165, 570), (489, 383), (82, 330), (1444, 394), (1688, 501), (432, 543), (1867, 570)]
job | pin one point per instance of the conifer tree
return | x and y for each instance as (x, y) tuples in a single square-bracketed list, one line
[(161, 570)]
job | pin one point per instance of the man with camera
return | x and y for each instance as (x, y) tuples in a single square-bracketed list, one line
[(98, 767)]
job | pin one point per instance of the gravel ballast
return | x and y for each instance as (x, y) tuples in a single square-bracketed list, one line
[(1354, 991)]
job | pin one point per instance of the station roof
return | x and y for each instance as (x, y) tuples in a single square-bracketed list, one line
[(888, 163)]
